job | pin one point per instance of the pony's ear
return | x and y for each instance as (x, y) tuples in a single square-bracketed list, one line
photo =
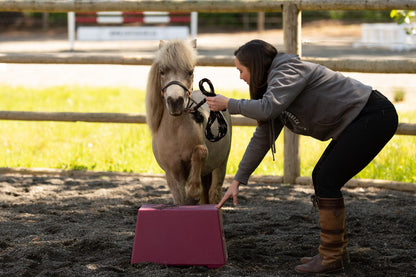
[(193, 43), (161, 43)]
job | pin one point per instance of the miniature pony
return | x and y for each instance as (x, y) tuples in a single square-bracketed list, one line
[(195, 167)]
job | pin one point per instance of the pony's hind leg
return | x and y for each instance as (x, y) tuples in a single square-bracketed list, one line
[(206, 184), (194, 189)]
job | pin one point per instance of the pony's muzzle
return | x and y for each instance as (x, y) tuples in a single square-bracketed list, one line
[(176, 106)]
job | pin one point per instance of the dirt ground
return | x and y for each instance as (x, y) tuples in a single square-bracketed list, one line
[(55, 225)]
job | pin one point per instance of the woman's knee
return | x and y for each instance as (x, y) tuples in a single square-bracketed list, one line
[(325, 185)]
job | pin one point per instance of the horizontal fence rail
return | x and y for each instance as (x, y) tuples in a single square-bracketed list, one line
[(337, 64), (218, 6), (403, 129), (99, 117)]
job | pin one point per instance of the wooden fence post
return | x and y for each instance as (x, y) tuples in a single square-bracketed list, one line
[(261, 20), (292, 43)]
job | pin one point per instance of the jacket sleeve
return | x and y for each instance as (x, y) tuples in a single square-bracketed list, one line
[(257, 148), (285, 83)]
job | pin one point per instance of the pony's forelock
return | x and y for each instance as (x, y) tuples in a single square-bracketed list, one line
[(179, 54)]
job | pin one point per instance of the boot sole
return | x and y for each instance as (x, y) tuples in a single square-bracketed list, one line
[(329, 271)]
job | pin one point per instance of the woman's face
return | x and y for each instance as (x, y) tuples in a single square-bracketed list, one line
[(244, 72)]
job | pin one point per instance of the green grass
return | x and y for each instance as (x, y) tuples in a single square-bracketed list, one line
[(127, 147)]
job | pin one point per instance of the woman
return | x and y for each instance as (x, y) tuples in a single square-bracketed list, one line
[(310, 100)]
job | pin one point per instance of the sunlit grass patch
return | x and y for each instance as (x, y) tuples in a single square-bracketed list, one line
[(127, 147)]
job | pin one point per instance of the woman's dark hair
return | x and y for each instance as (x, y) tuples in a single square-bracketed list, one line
[(257, 56)]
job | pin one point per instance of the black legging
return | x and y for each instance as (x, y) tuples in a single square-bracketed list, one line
[(356, 147)]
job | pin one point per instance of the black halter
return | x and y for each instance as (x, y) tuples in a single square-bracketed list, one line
[(222, 125), (188, 92), (176, 83)]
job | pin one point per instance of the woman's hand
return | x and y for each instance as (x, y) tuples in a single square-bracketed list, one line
[(217, 103), (231, 192)]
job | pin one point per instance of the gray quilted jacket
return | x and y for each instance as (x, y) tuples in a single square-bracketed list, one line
[(308, 98)]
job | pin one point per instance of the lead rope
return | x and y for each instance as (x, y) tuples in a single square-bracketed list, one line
[(222, 124)]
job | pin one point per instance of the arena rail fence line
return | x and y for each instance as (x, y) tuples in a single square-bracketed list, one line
[(266, 179), (237, 120), (292, 43), (338, 64), (214, 6)]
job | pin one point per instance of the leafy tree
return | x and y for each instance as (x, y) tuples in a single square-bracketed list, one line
[(403, 16)]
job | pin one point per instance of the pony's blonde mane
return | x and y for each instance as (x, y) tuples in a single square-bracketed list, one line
[(175, 54)]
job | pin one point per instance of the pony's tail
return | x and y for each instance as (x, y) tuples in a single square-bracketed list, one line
[(154, 103)]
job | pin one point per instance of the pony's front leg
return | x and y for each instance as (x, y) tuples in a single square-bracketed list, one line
[(215, 190), (177, 189), (194, 189)]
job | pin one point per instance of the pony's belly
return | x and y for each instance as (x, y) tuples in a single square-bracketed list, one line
[(215, 160)]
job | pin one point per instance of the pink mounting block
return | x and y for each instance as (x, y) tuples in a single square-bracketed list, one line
[(180, 235)]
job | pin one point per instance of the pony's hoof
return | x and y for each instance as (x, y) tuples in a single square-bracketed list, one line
[(192, 201)]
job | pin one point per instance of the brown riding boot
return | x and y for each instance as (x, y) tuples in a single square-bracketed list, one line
[(345, 254), (333, 241)]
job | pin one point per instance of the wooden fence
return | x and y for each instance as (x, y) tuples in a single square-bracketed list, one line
[(214, 6), (292, 43)]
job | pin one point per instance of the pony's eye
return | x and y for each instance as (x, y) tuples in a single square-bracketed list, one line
[(161, 72), (190, 72)]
